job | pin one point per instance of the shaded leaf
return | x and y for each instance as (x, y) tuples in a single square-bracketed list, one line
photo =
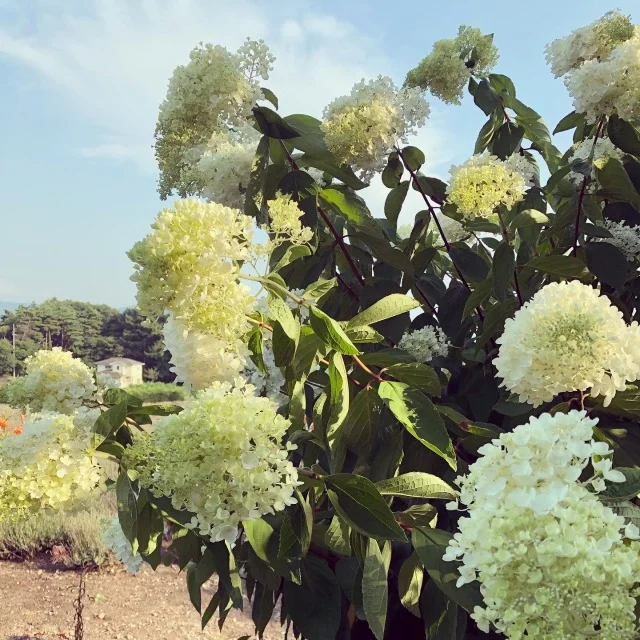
[(375, 591), (416, 484)]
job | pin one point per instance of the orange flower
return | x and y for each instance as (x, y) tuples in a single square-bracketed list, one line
[(3, 423), (17, 430)]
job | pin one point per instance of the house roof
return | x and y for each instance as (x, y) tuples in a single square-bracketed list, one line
[(121, 360)]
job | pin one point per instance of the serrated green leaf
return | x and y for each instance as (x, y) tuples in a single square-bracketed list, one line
[(259, 534), (418, 375), (416, 484), (337, 536), (615, 182), (607, 263), (480, 294), (286, 331), (529, 217), (311, 138), (419, 417), (504, 262), (111, 420), (331, 333), (388, 307), (352, 208), (563, 266), (127, 509), (358, 502), (361, 423), (507, 140), (375, 590), (418, 515)]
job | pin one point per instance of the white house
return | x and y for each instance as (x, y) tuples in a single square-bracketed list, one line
[(120, 372)]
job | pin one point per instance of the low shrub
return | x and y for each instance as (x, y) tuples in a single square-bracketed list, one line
[(158, 392)]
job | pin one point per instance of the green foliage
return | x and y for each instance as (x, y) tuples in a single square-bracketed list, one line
[(157, 392)]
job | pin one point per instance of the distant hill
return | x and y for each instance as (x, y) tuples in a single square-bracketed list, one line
[(8, 306)]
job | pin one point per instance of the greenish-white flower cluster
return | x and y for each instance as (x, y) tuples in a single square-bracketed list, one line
[(587, 152), (446, 70), (425, 344), (362, 127), (551, 559), (625, 237), (601, 65), (48, 463), (56, 381), (114, 538), (484, 182), (213, 93), (271, 383), (220, 459), (568, 337), (284, 223)]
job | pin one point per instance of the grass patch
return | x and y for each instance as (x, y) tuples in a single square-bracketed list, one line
[(72, 539), (158, 392)]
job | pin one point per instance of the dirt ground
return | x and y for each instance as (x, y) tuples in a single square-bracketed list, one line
[(37, 604)]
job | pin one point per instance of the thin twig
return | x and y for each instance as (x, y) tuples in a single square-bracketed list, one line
[(505, 236), (78, 604)]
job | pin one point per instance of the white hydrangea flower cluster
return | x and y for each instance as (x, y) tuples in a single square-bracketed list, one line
[(224, 169), (447, 69), (199, 358), (568, 337), (593, 42), (425, 344), (551, 559), (284, 223), (625, 237), (49, 463), (269, 385), (56, 381), (361, 128), (484, 182), (585, 151), (113, 537), (188, 267), (213, 93), (231, 466), (601, 64)]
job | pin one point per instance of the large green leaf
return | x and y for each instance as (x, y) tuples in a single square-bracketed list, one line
[(272, 124), (331, 333), (504, 262), (563, 266), (418, 515), (485, 97), (259, 533), (410, 579), (362, 421), (623, 135), (507, 140), (338, 398), (417, 375), (392, 173), (394, 201), (607, 263), (337, 536), (413, 158), (416, 484), (257, 180), (286, 330), (375, 590), (351, 207), (111, 420), (419, 417), (326, 163), (311, 138), (470, 264), (570, 121), (383, 251), (358, 502), (127, 509), (388, 307), (430, 545), (615, 182)]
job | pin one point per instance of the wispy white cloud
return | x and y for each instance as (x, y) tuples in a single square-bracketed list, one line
[(109, 60)]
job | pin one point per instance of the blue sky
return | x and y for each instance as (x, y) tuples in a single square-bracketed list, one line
[(82, 80)]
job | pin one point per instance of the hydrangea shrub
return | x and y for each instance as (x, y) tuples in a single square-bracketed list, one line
[(423, 432)]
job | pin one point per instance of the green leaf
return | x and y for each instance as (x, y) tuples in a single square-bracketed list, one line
[(337, 536), (311, 138), (417, 375), (430, 545), (504, 262), (383, 251), (607, 263), (501, 83), (286, 330), (494, 321), (394, 201), (481, 293), (615, 182), (386, 357), (413, 158), (357, 500), (563, 266), (363, 333), (485, 97), (258, 534), (111, 420), (410, 579), (388, 307), (270, 96), (314, 605), (617, 491), (486, 133), (325, 163), (257, 180), (623, 135), (570, 121), (471, 265), (418, 515), (339, 399), (127, 509), (435, 188), (352, 208), (331, 333), (529, 217), (272, 125), (361, 423), (317, 289), (628, 510), (507, 140), (419, 417), (625, 403), (375, 591), (416, 484), (392, 173)]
